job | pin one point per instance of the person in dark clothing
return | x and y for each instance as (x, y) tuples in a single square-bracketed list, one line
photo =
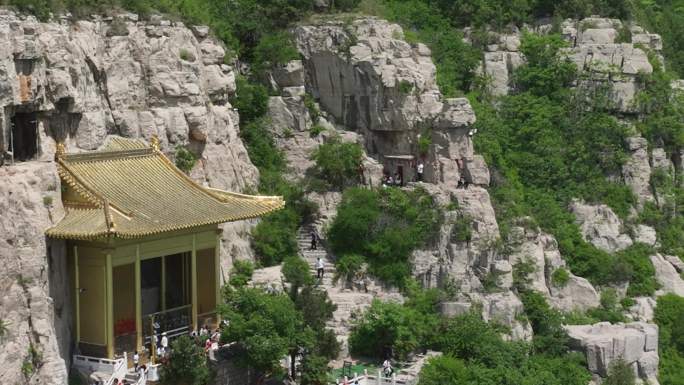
[(314, 240)]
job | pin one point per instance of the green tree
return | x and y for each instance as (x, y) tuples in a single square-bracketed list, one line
[(620, 373), (298, 273), (265, 327), (187, 364), (443, 370), (388, 328), (337, 162), (314, 370), (241, 273)]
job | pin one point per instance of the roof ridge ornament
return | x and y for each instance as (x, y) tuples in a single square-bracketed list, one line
[(60, 150), (154, 142)]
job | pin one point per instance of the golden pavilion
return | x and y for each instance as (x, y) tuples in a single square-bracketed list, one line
[(143, 243)]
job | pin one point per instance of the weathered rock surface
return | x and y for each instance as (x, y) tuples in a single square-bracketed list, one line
[(636, 172), (600, 226), (667, 276), (34, 301), (82, 81), (636, 343), (595, 48)]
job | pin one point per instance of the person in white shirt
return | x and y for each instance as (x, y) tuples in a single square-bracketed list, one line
[(136, 360), (387, 368), (320, 267), (164, 343)]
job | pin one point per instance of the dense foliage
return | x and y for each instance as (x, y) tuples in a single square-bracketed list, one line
[(669, 315), (384, 226), (187, 364), (337, 163)]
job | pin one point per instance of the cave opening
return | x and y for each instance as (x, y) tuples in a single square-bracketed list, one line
[(24, 136)]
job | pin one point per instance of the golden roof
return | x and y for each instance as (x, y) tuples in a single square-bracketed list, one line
[(130, 190)]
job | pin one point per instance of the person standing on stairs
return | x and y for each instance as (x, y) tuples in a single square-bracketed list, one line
[(320, 268), (314, 240)]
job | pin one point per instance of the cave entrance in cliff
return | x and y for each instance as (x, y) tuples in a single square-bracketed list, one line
[(24, 136)]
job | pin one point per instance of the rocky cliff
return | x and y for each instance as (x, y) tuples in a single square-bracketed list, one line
[(78, 81)]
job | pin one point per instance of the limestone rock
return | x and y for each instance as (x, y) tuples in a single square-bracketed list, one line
[(643, 309), (454, 309), (636, 343), (290, 75), (600, 226), (576, 294), (637, 170), (598, 36), (84, 82), (645, 234), (476, 171), (676, 262), (667, 276)]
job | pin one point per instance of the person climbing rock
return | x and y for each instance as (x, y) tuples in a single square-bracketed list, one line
[(314, 240), (419, 171)]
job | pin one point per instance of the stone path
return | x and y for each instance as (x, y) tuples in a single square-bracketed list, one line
[(349, 302)]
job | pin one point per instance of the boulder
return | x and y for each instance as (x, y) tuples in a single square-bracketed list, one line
[(290, 74), (600, 226), (667, 276), (476, 171), (676, 262), (602, 343), (645, 234), (636, 172), (454, 309), (598, 36)]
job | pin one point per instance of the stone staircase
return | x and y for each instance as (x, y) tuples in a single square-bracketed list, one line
[(349, 302)]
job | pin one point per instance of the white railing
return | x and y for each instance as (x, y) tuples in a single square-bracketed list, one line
[(378, 379), (116, 368)]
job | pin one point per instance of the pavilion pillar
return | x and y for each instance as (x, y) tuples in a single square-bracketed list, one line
[(193, 281), (109, 324), (138, 302), (163, 282), (217, 275), (77, 295)]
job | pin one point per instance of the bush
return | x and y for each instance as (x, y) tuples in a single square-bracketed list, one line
[(642, 278), (405, 87), (273, 50), (609, 309), (187, 364), (186, 55), (388, 327), (348, 266), (316, 130), (338, 163), (251, 100), (384, 226), (312, 107), (560, 277), (241, 273), (620, 373), (185, 159), (314, 370), (297, 273), (443, 370), (462, 230), (274, 238), (549, 336)]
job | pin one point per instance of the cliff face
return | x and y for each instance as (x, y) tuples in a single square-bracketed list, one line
[(77, 82)]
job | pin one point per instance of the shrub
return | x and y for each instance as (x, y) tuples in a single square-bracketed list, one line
[(274, 238), (251, 100), (297, 272), (443, 370), (316, 130), (4, 327), (241, 273), (186, 55), (272, 50), (609, 309), (384, 226), (560, 277), (47, 201), (338, 162), (388, 327), (620, 373), (187, 364), (312, 107), (642, 278), (314, 370), (185, 159), (549, 335), (118, 27), (462, 230), (348, 266), (405, 87)]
